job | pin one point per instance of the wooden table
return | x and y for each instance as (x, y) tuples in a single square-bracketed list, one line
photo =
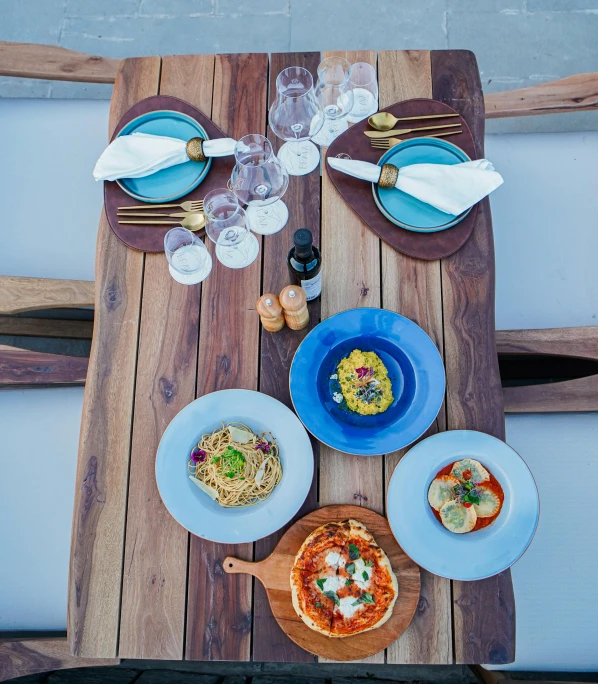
[(141, 586)]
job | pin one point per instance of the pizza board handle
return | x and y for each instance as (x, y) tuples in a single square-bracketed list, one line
[(273, 572)]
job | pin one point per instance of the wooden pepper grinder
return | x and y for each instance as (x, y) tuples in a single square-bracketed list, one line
[(270, 311), (294, 303)]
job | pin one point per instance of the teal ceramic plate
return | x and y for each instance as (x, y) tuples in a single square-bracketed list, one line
[(404, 210), (176, 181)]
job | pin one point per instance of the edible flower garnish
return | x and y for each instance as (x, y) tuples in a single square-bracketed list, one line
[(364, 372), (198, 455), (263, 446), (466, 493)]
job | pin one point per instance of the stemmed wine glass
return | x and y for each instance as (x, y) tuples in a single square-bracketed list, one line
[(296, 116), (227, 226), (189, 262), (335, 96), (364, 84), (259, 180)]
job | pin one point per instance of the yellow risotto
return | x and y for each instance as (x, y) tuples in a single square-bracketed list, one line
[(364, 383)]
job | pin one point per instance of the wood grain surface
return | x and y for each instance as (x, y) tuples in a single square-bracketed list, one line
[(219, 606), (22, 368), (484, 611), (31, 294), (274, 573), (103, 465), (412, 287), (45, 327), (29, 60), (20, 658), (581, 342), (155, 562), (270, 643), (580, 394), (572, 94), (351, 259)]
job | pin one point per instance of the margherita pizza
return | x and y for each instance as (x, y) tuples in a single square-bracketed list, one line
[(342, 582)]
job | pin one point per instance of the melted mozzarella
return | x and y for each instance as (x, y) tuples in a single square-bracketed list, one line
[(333, 583), (357, 576), (335, 560), (347, 609)]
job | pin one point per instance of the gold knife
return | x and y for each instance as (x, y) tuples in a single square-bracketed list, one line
[(401, 131)]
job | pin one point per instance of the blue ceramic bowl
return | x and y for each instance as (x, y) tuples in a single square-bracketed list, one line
[(414, 367), (474, 555)]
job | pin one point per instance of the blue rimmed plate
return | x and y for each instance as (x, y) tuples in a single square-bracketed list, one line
[(404, 210), (475, 555), (415, 370), (176, 181), (195, 510)]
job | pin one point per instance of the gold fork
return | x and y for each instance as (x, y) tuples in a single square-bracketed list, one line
[(181, 214), (191, 205), (387, 143)]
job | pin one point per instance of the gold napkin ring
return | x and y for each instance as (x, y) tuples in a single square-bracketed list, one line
[(388, 176), (195, 150)]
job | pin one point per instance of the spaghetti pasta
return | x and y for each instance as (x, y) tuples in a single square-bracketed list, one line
[(242, 473)]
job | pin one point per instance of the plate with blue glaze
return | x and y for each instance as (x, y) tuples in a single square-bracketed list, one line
[(414, 367), (475, 555), (176, 181), (404, 210), (195, 510)]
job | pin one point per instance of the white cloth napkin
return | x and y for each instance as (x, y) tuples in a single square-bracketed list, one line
[(449, 188), (141, 154)]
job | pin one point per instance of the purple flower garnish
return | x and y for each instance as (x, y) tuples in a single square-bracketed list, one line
[(198, 455), (364, 372), (263, 446)]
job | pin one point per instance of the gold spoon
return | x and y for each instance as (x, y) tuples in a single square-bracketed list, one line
[(384, 121), (193, 223)]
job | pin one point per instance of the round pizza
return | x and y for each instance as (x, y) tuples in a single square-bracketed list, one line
[(342, 582)]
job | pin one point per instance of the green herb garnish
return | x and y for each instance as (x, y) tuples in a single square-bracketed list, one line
[(348, 582), (368, 564), (365, 575), (320, 583), (471, 498), (364, 598), (215, 459), (318, 605), (353, 552), (350, 568), (333, 597)]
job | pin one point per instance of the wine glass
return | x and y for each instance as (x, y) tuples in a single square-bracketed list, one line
[(296, 116), (259, 180), (364, 84), (226, 225), (335, 96), (189, 262)]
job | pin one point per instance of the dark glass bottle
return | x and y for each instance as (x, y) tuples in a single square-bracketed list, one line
[(305, 264)]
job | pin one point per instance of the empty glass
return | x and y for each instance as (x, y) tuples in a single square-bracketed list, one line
[(296, 116), (226, 225), (335, 96), (189, 262), (364, 84), (259, 180)]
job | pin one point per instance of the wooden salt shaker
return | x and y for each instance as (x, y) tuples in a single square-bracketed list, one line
[(270, 311), (294, 304)]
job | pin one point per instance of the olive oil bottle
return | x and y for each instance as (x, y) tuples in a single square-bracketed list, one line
[(305, 264)]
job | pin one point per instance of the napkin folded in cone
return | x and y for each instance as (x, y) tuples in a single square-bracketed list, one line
[(141, 154), (449, 188)]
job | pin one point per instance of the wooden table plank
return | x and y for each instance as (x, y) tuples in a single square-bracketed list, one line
[(103, 464), (270, 643), (351, 259), (219, 605), (155, 563), (412, 288), (484, 612)]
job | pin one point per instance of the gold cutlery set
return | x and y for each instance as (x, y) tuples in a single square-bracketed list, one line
[(192, 217), (383, 137)]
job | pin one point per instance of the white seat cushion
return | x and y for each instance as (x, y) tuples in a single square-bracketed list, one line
[(39, 435), (556, 580), (545, 219), (49, 202)]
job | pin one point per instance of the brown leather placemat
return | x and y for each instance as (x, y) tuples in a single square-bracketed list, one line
[(358, 193), (151, 238)]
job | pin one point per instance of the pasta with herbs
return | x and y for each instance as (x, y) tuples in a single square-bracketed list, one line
[(235, 466)]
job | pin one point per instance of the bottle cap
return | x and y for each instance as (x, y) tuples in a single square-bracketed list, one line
[(303, 240)]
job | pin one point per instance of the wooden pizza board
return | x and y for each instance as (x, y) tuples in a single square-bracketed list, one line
[(274, 573)]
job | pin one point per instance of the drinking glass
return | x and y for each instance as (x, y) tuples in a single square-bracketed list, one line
[(364, 84), (335, 96), (189, 262), (296, 116), (259, 180), (227, 226)]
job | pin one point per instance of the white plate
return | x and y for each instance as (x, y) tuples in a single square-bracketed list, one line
[(474, 555), (193, 509)]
